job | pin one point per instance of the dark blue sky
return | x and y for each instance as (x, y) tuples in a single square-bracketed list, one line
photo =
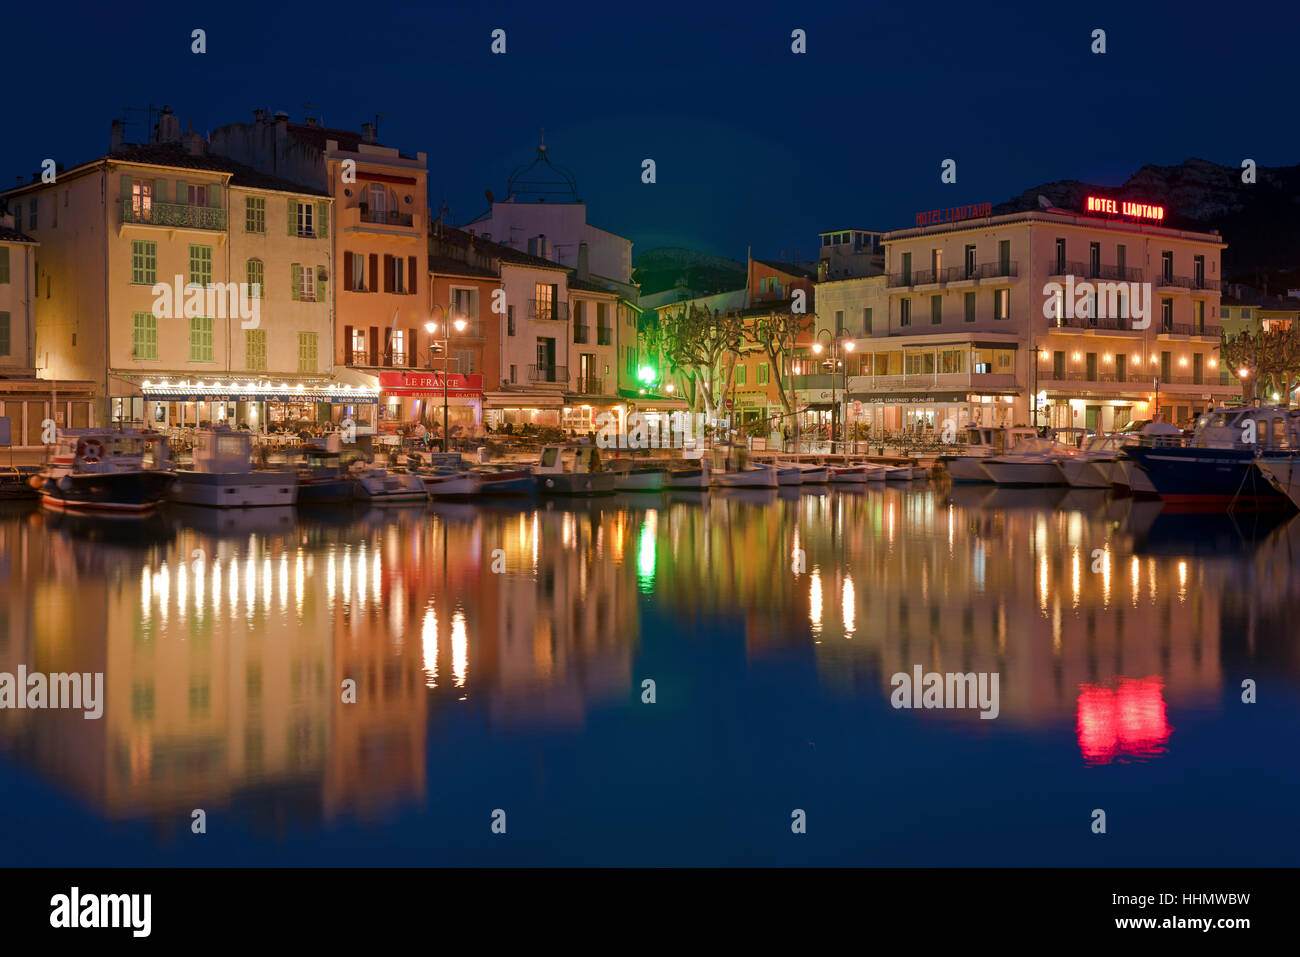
[(753, 144)]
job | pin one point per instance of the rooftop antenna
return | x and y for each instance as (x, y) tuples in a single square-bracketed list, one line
[(149, 111)]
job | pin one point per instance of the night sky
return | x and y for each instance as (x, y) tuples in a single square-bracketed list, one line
[(754, 145)]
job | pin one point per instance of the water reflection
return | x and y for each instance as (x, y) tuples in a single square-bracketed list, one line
[(227, 639)]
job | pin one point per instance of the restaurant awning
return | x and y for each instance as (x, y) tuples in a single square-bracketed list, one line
[(429, 385), (256, 392)]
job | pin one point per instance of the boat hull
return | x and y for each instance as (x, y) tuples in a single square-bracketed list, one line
[(687, 478), (507, 483), (651, 480), (1206, 477), (1283, 474), (1025, 473), (452, 485), (235, 489), (1086, 473), (576, 483), (124, 492), (748, 478), (325, 492)]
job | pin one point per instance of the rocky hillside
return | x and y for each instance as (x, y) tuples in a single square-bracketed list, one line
[(661, 269), (1259, 221)]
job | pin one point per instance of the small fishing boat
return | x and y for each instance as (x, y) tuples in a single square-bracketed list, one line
[(754, 476), (452, 482), (689, 477), (222, 475), (16, 482), (788, 474), (503, 480), (639, 478), (379, 486), (850, 474), (982, 442), (322, 480), (898, 473), (106, 470), (812, 474), (582, 474)]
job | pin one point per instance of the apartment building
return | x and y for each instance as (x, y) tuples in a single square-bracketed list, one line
[(1002, 320), (188, 288)]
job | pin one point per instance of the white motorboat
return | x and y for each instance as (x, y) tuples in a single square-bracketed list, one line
[(222, 475), (1093, 466), (1283, 473), (982, 442), (382, 486), (1034, 461), (755, 476)]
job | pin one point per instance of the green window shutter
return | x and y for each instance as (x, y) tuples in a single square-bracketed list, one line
[(322, 285), (322, 220), (4, 264), (160, 191), (182, 193), (214, 195), (293, 219), (296, 273), (126, 192)]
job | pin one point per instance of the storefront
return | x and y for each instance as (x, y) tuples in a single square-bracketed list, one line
[(913, 412), (261, 406), (407, 399)]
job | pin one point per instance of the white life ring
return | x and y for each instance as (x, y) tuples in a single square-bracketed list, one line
[(90, 450)]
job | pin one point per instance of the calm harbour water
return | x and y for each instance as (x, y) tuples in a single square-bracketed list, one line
[(1121, 635)]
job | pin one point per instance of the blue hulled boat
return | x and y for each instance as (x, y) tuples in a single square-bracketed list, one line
[(1219, 466)]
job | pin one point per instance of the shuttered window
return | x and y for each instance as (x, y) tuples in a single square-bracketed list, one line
[(255, 349), (201, 265), (144, 335), (201, 339), (255, 214), (306, 352), (144, 262)]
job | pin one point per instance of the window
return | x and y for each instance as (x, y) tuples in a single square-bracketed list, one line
[(378, 202), (514, 373), (970, 307), (4, 334), (307, 283), (936, 310), (464, 302), (255, 350), (510, 326), (33, 209), (1167, 315), (740, 374), (18, 217), (1121, 260), (359, 346), (305, 220), (201, 265), (144, 335), (1199, 329), (1090, 365), (144, 262), (763, 371), (255, 214), (907, 269), (1058, 365), (866, 319), (463, 360), (1198, 271), (1004, 258), (936, 263), (1121, 367), (1167, 267), (839, 321), (905, 311), (1198, 369), (1001, 303), (1094, 260), (399, 275), (4, 264), (970, 262), (358, 271), (141, 199), (256, 276), (198, 194), (201, 339), (1166, 366), (306, 352), (398, 345), (545, 296)]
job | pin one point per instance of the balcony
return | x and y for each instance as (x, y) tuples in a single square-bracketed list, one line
[(1094, 324), (547, 309), (177, 217), (947, 274), (590, 386), (581, 335), (558, 375), (1063, 268), (385, 217), (1194, 283), (974, 381)]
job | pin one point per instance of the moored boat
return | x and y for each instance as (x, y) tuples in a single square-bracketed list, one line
[(640, 478), (322, 480), (106, 470), (1034, 461), (582, 475), (982, 442), (445, 482), (222, 475), (380, 486), (503, 480), (689, 477), (754, 476)]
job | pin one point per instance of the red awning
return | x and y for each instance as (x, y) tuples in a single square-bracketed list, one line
[(429, 385)]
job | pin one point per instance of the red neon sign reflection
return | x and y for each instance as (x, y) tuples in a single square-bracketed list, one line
[(1125, 721)]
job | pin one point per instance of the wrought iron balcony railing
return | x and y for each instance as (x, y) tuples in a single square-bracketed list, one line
[(557, 374), (386, 217), (176, 216), (548, 309)]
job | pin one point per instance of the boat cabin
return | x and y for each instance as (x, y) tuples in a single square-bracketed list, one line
[(585, 458), (222, 449), (110, 450), (1272, 428), (998, 439)]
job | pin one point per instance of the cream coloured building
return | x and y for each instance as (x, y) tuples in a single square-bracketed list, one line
[(967, 324)]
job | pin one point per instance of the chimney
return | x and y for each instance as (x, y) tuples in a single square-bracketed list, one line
[(584, 269), (168, 128), (311, 121), (368, 132), (194, 143), (259, 116), (115, 137)]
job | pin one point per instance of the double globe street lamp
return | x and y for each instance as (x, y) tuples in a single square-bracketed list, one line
[(834, 362), (431, 327)]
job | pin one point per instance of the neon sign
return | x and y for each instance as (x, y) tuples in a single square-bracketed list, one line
[(932, 217), (1124, 207)]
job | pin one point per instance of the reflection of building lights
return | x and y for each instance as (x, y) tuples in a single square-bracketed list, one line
[(459, 649), (847, 601), (429, 645), (815, 602)]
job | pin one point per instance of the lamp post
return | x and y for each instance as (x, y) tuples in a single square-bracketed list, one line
[(834, 360), (432, 328)]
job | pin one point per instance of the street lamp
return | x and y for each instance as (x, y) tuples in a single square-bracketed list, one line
[(834, 360), (431, 327)]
